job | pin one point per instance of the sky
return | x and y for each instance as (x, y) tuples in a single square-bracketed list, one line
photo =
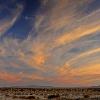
[(50, 43)]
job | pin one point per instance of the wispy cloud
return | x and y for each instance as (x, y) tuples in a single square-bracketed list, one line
[(9, 22), (65, 50)]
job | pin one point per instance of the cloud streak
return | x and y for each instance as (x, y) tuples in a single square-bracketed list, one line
[(7, 23), (65, 50)]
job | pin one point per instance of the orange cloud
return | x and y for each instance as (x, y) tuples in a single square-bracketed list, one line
[(63, 70), (66, 13), (38, 57), (37, 62), (15, 78), (87, 69), (35, 77), (2, 51), (77, 33), (9, 77), (84, 75)]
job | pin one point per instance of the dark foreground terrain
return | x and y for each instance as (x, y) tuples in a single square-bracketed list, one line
[(49, 93)]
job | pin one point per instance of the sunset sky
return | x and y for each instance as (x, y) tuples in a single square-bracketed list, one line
[(50, 42)]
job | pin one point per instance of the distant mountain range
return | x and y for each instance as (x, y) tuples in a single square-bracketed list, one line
[(96, 86), (32, 86), (36, 86)]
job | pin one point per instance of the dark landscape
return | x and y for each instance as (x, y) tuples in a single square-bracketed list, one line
[(50, 93)]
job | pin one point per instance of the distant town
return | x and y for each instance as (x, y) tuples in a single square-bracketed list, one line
[(49, 93)]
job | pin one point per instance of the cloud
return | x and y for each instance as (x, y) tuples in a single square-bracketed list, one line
[(67, 11), (84, 54), (88, 69), (65, 50), (81, 31), (9, 77), (84, 75), (7, 23)]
